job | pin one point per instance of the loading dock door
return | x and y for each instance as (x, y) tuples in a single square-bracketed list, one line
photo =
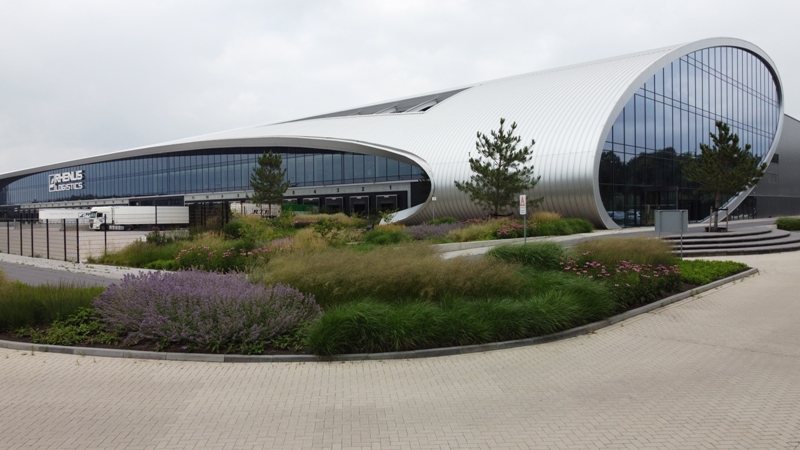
[(386, 202), (359, 206), (334, 204), (313, 202)]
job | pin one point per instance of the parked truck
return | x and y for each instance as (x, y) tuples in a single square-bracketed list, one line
[(130, 217), (55, 215)]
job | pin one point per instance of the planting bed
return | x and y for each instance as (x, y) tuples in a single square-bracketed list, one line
[(382, 298)]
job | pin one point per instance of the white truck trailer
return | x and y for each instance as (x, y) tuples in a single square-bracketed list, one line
[(129, 217), (55, 215)]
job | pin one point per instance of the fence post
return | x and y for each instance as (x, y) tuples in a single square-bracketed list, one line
[(20, 237), (105, 241), (31, 238), (77, 243), (47, 234), (8, 236), (64, 229)]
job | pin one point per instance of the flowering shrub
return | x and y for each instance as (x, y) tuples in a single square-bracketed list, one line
[(632, 283), (230, 260), (431, 231), (509, 230), (217, 312)]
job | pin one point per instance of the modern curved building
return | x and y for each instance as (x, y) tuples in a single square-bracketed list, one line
[(609, 138)]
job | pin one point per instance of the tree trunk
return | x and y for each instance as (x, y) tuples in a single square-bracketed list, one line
[(717, 200)]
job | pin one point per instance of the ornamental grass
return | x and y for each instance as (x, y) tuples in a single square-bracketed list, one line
[(373, 326), (389, 273), (637, 250), (24, 306)]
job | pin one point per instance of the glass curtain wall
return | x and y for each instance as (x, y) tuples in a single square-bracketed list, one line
[(218, 170), (669, 117)]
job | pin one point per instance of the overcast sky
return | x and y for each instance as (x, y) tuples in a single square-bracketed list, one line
[(84, 78)]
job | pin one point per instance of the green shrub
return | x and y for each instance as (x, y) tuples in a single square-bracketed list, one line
[(332, 231), (539, 255), (638, 250), (442, 220), (700, 272), (562, 227), (157, 237), (24, 306), (84, 327), (372, 326), (234, 229), (385, 237), (392, 274), (788, 223)]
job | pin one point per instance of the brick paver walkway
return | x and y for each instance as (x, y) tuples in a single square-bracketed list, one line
[(719, 371)]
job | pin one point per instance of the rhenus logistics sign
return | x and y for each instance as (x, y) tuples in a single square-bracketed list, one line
[(66, 181)]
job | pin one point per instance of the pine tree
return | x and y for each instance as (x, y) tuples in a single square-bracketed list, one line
[(268, 180), (724, 168), (500, 172)]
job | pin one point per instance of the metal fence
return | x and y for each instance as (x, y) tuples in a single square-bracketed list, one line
[(62, 239)]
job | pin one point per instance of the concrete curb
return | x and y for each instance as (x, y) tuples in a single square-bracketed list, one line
[(426, 353)]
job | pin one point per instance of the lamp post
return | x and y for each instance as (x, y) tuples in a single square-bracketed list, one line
[(433, 200)]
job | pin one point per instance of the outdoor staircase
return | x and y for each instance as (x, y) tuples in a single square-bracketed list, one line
[(756, 240)]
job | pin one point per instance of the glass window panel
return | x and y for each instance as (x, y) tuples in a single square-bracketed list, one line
[(337, 168), (290, 172), (380, 168), (327, 168), (659, 125), (348, 168), (659, 82), (650, 128), (369, 167), (630, 122), (392, 169), (640, 121), (318, 178), (309, 173), (358, 168), (405, 171)]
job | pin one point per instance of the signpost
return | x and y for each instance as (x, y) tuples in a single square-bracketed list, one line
[(523, 211), (673, 221)]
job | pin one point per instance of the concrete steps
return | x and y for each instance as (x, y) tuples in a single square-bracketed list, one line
[(756, 240)]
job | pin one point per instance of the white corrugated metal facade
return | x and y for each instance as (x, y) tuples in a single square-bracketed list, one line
[(568, 111)]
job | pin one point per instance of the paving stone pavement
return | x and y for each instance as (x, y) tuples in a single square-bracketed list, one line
[(721, 371)]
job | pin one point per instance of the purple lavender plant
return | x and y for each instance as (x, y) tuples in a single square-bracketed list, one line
[(201, 309)]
